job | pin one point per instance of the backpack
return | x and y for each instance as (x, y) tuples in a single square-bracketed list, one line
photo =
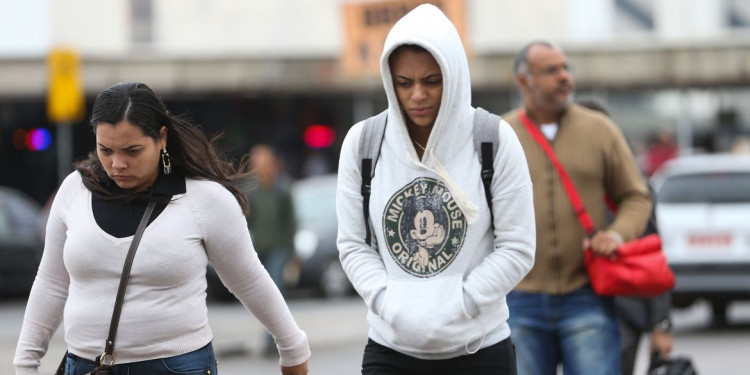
[(485, 132), (671, 366)]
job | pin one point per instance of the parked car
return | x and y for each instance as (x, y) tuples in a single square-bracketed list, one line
[(316, 266), (315, 242), (21, 242), (703, 214)]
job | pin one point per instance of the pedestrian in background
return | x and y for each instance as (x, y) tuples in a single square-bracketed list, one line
[(436, 272), (555, 316), (145, 154), (641, 315), (271, 220), (661, 149)]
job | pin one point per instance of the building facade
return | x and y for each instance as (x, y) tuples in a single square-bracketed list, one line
[(264, 71)]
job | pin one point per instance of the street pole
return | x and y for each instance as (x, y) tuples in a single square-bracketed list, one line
[(65, 103), (64, 150), (685, 123)]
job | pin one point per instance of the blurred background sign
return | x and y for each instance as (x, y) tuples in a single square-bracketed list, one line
[(367, 25), (65, 101)]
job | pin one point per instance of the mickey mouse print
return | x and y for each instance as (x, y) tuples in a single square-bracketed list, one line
[(423, 227)]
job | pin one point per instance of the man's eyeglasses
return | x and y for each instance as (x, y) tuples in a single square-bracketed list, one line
[(554, 70)]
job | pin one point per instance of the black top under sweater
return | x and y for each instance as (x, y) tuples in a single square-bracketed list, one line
[(121, 220)]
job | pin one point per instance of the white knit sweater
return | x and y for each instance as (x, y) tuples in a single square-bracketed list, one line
[(164, 313)]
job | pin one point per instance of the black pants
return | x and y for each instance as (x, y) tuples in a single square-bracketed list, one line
[(498, 359), (630, 338)]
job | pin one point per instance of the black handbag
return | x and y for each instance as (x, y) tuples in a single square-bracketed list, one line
[(107, 359), (670, 366)]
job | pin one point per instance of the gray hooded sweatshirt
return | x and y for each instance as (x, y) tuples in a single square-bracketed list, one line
[(455, 303)]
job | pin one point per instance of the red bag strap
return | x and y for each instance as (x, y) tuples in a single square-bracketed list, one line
[(570, 189)]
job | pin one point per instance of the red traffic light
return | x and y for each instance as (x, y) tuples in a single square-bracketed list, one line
[(319, 136)]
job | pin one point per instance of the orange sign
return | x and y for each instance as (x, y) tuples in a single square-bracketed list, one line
[(366, 26), (65, 96)]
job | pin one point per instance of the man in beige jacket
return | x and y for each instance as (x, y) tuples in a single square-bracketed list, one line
[(555, 316)]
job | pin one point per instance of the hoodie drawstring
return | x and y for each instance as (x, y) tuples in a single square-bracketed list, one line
[(475, 338), (468, 207)]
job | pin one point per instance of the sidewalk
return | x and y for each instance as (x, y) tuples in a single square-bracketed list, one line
[(328, 323)]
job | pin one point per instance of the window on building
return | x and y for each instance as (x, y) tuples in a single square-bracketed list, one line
[(634, 16), (738, 14), (142, 21)]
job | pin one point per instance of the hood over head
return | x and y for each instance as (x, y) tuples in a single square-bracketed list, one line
[(427, 27)]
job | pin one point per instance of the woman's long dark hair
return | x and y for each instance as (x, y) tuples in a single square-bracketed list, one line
[(190, 151)]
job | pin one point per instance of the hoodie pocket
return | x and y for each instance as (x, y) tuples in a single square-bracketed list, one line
[(428, 316)]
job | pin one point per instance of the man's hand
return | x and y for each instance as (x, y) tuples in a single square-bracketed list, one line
[(661, 341), (604, 243), (300, 369)]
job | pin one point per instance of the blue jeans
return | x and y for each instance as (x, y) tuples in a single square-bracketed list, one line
[(197, 362), (274, 262), (498, 359), (579, 330)]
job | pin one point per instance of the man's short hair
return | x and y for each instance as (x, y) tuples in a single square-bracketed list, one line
[(521, 59)]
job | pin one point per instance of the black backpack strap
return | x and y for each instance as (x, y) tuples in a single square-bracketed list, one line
[(486, 130), (370, 142)]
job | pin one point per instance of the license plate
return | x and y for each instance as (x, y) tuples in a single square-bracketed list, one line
[(710, 240)]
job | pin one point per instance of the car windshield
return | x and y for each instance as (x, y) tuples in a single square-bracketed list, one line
[(316, 206), (706, 187), (18, 216)]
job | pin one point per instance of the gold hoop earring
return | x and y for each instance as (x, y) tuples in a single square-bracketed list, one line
[(165, 161)]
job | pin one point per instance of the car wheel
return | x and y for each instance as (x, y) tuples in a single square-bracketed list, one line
[(719, 313), (333, 282)]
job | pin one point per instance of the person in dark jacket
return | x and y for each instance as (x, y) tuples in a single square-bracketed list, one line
[(639, 315), (271, 220)]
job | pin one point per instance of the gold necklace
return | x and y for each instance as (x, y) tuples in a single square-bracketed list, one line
[(418, 145)]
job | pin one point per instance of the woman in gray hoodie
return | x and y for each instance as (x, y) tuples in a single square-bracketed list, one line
[(440, 264)]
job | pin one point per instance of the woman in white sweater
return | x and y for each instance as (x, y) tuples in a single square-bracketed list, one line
[(436, 273), (145, 154)]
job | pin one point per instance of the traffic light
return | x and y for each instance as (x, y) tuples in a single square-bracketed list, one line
[(65, 103), (319, 136)]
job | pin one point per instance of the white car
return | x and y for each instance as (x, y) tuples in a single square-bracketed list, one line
[(703, 216), (317, 266), (315, 242)]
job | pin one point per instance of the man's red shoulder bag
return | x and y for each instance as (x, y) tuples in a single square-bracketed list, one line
[(638, 267)]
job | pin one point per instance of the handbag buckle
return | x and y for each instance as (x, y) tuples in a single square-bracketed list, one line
[(104, 357)]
